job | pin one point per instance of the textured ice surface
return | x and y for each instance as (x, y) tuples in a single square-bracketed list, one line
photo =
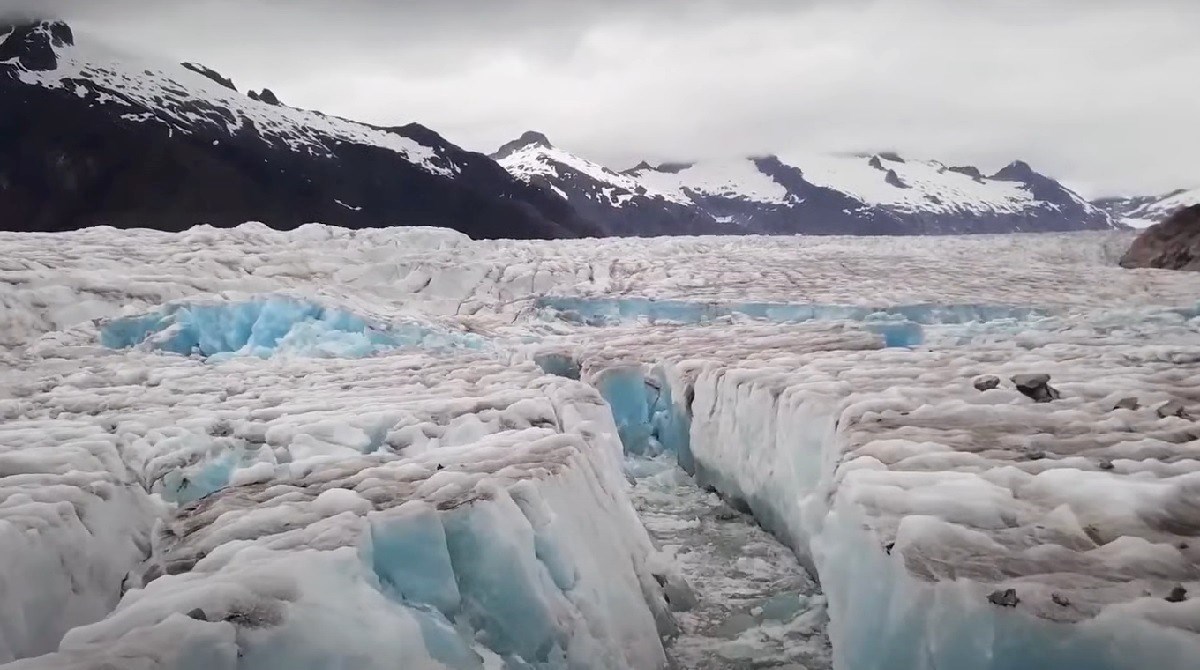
[(408, 509), (322, 486), (266, 325)]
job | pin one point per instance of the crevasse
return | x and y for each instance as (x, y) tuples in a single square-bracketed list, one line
[(777, 452)]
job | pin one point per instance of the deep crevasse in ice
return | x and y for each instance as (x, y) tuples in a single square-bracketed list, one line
[(909, 548), (890, 464)]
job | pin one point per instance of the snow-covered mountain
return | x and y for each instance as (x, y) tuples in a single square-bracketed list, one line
[(621, 203), (847, 194), (1146, 210), (92, 136)]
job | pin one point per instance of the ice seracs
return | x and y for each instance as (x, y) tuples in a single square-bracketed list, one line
[(250, 447)]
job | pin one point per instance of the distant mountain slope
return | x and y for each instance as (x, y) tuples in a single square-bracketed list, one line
[(817, 194), (879, 194), (89, 136), (1147, 210), (620, 203)]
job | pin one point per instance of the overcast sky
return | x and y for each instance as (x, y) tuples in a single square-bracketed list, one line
[(1099, 93)]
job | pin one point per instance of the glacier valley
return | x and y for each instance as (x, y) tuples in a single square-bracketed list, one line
[(401, 448)]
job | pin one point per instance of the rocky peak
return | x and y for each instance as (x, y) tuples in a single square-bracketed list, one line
[(1015, 171), (266, 96), (32, 44), (527, 139), (211, 74), (674, 168), (640, 167)]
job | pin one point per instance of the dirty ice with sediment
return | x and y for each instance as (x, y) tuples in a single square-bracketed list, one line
[(403, 448)]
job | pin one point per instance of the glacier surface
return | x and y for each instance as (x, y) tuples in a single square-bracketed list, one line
[(402, 448)]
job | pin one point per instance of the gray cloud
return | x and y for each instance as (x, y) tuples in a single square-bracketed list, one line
[(1096, 92)]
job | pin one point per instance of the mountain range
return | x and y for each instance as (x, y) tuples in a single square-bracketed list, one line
[(90, 136), (816, 194)]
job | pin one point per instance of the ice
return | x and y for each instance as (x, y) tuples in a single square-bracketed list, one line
[(299, 465), (269, 325), (878, 463), (403, 448)]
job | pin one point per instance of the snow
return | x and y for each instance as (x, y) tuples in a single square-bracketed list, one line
[(931, 186), (538, 160), (184, 101), (1154, 212), (404, 448), (730, 178)]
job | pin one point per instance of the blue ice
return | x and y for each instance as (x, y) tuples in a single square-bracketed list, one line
[(899, 325), (649, 421), (188, 485), (264, 326)]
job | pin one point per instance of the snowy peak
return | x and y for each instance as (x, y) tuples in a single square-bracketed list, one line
[(1015, 171), (33, 45), (530, 138), (620, 202)]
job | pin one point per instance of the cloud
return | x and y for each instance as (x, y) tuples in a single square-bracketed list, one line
[(1096, 92)]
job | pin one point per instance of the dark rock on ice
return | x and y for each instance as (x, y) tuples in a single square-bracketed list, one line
[(1172, 408), (1177, 594), (987, 382), (1037, 387), (1004, 598)]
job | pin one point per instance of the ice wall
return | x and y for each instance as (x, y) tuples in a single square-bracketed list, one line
[(418, 508), (780, 443), (533, 575)]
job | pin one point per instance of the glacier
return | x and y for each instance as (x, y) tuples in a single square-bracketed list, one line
[(320, 448)]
